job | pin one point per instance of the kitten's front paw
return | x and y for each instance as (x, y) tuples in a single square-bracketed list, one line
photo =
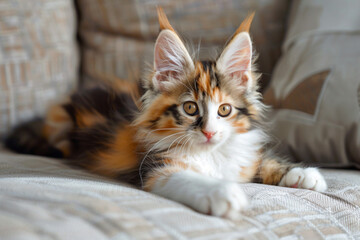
[(307, 178), (224, 200)]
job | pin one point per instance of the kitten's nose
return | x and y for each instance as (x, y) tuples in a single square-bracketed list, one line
[(207, 134)]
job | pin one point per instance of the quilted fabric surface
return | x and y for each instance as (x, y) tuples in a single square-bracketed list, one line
[(43, 199)]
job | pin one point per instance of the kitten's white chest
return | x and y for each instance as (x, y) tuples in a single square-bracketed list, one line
[(226, 161), (217, 166)]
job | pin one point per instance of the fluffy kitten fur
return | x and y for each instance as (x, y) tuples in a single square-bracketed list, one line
[(196, 134)]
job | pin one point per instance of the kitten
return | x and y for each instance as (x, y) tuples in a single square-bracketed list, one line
[(196, 134)]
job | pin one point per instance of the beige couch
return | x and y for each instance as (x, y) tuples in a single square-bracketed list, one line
[(41, 198)]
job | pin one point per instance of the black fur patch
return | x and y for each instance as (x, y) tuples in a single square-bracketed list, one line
[(196, 84), (154, 122), (211, 67), (27, 139), (207, 65), (243, 111), (175, 113), (112, 105), (117, 109), (88, 141), (217, 80), (199, 123)]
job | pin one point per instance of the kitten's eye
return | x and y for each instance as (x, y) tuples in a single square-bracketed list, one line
[(224, 110), (191, 108)]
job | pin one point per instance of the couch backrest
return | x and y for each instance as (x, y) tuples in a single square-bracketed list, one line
[(38, 57), (118, 36)]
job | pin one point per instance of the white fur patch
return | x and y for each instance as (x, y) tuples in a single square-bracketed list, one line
[(226, 161), (307, 178), (204, 194)]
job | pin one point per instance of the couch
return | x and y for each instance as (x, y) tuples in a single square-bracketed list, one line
[(42, 198), (45, 55)]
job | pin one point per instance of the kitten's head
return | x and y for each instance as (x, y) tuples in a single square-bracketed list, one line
[(192, 106)]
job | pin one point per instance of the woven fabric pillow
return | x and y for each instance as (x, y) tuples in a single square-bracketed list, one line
[(315, 90), (118, 36), (38, 57)]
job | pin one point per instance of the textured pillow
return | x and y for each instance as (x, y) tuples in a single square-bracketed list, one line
[(315, 90), (118, 36), (38, 57)]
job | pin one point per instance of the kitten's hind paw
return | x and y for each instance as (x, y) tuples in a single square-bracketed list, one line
[(224, 200), (306, 178)]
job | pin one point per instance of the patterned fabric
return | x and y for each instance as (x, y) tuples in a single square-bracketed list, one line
[(118, 36), (315, 85), (297, 100), (38, 56), (43, 199)]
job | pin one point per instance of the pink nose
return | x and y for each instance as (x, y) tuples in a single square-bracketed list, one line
[(208, 135)]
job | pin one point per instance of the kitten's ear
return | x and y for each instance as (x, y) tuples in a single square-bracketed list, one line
[(171, 59), (235, 60)]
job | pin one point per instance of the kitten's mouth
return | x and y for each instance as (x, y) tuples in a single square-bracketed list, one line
[(208, 142)]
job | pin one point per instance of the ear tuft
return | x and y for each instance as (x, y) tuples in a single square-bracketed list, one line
[(246, 24), (163, 20)]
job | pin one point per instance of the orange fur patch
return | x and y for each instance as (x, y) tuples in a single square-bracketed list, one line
[(57, 124), (88, 119), (217, 95), (157, 109), (204, 84), (271, 171), (151, 181), (204, 78), (248, 173), (121, 155), (241, 125), (65, 147), (166, 125), (162, 175)]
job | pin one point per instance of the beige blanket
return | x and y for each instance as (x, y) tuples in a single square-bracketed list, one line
[(42, 199)]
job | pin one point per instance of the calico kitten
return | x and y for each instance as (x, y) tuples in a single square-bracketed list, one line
[(195, 135)]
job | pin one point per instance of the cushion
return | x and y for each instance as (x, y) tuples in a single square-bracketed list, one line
[(41, 197), (118, 36), (38, 57), (315, 89)]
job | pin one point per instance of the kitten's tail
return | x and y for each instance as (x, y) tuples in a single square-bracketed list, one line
[(27, 138)]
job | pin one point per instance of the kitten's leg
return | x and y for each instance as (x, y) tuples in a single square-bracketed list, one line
[(275, 171), (202, 193)]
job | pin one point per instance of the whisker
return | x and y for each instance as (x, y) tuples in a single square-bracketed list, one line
[(184, 145), (177, 145), (188, 136), (151, 149), (174, 142), (162, 129)]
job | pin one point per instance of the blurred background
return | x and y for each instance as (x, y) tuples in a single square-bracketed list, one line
[(308, 54), (48, 47)]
